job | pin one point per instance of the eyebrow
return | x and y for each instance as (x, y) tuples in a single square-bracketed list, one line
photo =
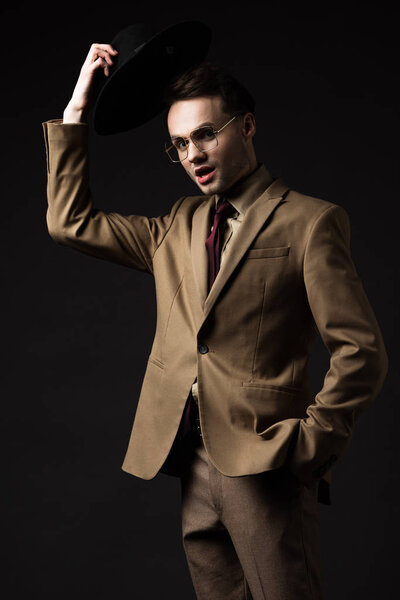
[(175, 137)]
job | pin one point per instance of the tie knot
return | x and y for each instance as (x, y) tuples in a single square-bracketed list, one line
[(224, 208)]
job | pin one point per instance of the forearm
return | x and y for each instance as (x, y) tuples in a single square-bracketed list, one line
[(71, 217), (73, 115)]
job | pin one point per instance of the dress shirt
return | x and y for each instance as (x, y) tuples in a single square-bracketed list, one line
[(241, 196)]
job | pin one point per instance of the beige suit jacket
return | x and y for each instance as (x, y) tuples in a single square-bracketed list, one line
[(288, 275)]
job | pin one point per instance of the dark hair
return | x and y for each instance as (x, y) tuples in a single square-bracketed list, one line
[(208, 79)]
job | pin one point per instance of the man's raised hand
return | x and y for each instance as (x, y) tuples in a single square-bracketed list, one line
[(99, 57)]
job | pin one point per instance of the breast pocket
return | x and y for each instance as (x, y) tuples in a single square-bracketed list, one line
[(280, 252)]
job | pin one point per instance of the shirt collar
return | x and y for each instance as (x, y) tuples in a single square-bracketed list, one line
[(243, 193)]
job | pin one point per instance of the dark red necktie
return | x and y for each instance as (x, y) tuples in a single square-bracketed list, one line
[(215, 239)]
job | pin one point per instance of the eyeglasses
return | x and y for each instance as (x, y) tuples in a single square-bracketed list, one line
[(204, 138)]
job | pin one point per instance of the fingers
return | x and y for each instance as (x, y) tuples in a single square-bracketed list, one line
[(96, 51), (99, 63), (107, 47), (102, 52), (101, 49)]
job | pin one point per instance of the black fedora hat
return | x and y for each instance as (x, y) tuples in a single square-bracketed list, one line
[(146, 61)]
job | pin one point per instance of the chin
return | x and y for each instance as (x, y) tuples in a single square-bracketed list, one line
[(211, 189), (215, 187)]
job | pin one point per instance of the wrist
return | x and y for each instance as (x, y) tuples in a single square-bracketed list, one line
[(72, 115)]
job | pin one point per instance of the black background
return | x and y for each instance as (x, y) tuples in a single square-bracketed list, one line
[(77, 331)]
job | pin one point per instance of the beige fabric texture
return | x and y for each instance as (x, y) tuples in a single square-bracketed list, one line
[(250, 538), (241, 198), (289, 276)]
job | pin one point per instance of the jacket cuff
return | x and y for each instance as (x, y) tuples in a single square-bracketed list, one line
[(66, 134)]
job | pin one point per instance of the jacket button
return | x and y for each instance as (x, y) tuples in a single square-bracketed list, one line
[(203, 348)]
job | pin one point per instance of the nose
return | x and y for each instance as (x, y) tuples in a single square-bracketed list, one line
[(194, 154)]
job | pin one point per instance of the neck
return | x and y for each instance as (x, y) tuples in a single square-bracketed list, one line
[(252, 168)]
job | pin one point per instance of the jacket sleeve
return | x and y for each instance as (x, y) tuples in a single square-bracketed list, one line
[(73, 220), (347, 325)]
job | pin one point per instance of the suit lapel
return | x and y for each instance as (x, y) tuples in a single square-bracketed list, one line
[(201, 226), (255, 218)]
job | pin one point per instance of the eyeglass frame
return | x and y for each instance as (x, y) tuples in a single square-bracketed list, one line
[(215, 131)]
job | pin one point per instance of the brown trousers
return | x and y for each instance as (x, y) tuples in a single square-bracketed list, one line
[(254, 537)]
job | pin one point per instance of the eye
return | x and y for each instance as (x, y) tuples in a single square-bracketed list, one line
[(180, 144), (203, 134)]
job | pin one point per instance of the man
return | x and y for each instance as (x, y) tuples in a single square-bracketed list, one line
[(245, 274)]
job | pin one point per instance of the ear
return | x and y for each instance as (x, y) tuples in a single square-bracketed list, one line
[(248, 125)]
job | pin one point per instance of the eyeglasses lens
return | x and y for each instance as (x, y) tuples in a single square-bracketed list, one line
[(203, 138)]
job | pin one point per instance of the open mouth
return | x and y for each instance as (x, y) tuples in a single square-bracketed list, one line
[(204, 174)]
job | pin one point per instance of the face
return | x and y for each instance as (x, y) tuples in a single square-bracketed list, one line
[(215, 170)]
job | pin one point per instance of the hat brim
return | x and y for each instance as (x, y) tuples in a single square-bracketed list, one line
[(133, 93)]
